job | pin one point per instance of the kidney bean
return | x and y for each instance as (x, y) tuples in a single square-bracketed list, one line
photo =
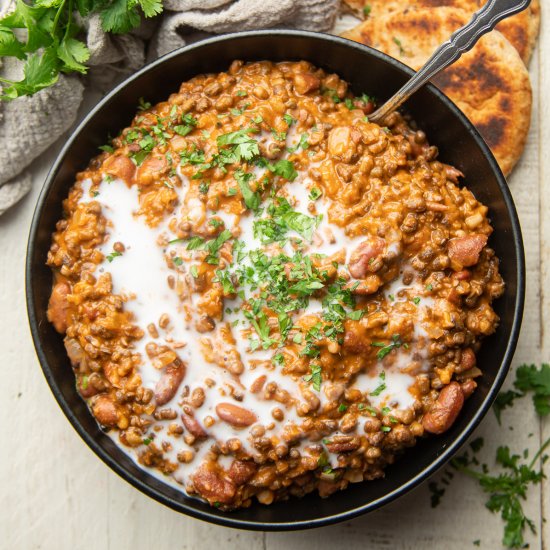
[(468, 387), (58, 306), (363, 258), (445, 410), (169, 382), (121, 167), (193, 427), (238, 417), (105, 411), (151, 169), (465, 250), (85, 387), (212, 486), (258, 384), (467, 360), (306, 82), (240, 471)]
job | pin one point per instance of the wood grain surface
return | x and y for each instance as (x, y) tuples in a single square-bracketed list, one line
[(57, 495)]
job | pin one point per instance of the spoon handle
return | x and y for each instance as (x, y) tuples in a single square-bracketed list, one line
[(462, 40)]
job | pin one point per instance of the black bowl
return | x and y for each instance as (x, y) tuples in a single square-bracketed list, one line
[(367, 71)]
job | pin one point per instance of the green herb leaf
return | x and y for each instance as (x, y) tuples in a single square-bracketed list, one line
[(536, 380), (251, 199), (285, 169), (315, 377), (195, 243), (314, 194), (114, 254), (507, 490), (243, 146), (120, 16), (74, 54), (289, 119), (39, 71)]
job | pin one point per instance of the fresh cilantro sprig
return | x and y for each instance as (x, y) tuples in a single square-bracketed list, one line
[(507, 489), (52, 45), (529, 378)]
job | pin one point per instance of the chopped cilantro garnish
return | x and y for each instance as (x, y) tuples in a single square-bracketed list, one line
[(356, 315), (195, 243), (188, 125), (214, 246), (289, 119), (192, 156), (251, 199), (315, 377), (279, 136), (303, 143), (416, 300), (224, 278), (238, 112), (285, 169), (386, 348), (283, 218), (381, 387), (314, 194), (342, 408), (242, 145), (143, 105), (114, 254)]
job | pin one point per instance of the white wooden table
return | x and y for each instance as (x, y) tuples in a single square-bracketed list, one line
[(56, 494)]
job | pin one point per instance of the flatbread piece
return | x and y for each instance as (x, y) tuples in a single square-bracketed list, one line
[(490, 84), (521, 30)]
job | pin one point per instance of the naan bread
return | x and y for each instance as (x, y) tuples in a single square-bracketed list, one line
[(521, 30), (490, 84)]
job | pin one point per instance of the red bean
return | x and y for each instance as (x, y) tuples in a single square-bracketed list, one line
[(59, 306), (465, 250), (445, 410), (169, 382)]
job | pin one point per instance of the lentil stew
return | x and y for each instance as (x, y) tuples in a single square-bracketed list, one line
[(264, 294)]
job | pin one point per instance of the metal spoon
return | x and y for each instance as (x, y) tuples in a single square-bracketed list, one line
[(463, 40)]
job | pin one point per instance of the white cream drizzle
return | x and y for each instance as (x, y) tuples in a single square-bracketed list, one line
[(141, 275)]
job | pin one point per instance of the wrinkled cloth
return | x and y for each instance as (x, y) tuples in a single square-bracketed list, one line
[(29, 125)]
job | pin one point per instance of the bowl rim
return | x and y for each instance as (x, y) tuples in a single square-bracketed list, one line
[(228, 520)]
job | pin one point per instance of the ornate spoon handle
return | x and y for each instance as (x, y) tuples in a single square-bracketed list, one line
[(463, 40)]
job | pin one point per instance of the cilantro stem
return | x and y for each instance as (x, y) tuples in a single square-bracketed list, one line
[(539, 453), (57, 16)]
